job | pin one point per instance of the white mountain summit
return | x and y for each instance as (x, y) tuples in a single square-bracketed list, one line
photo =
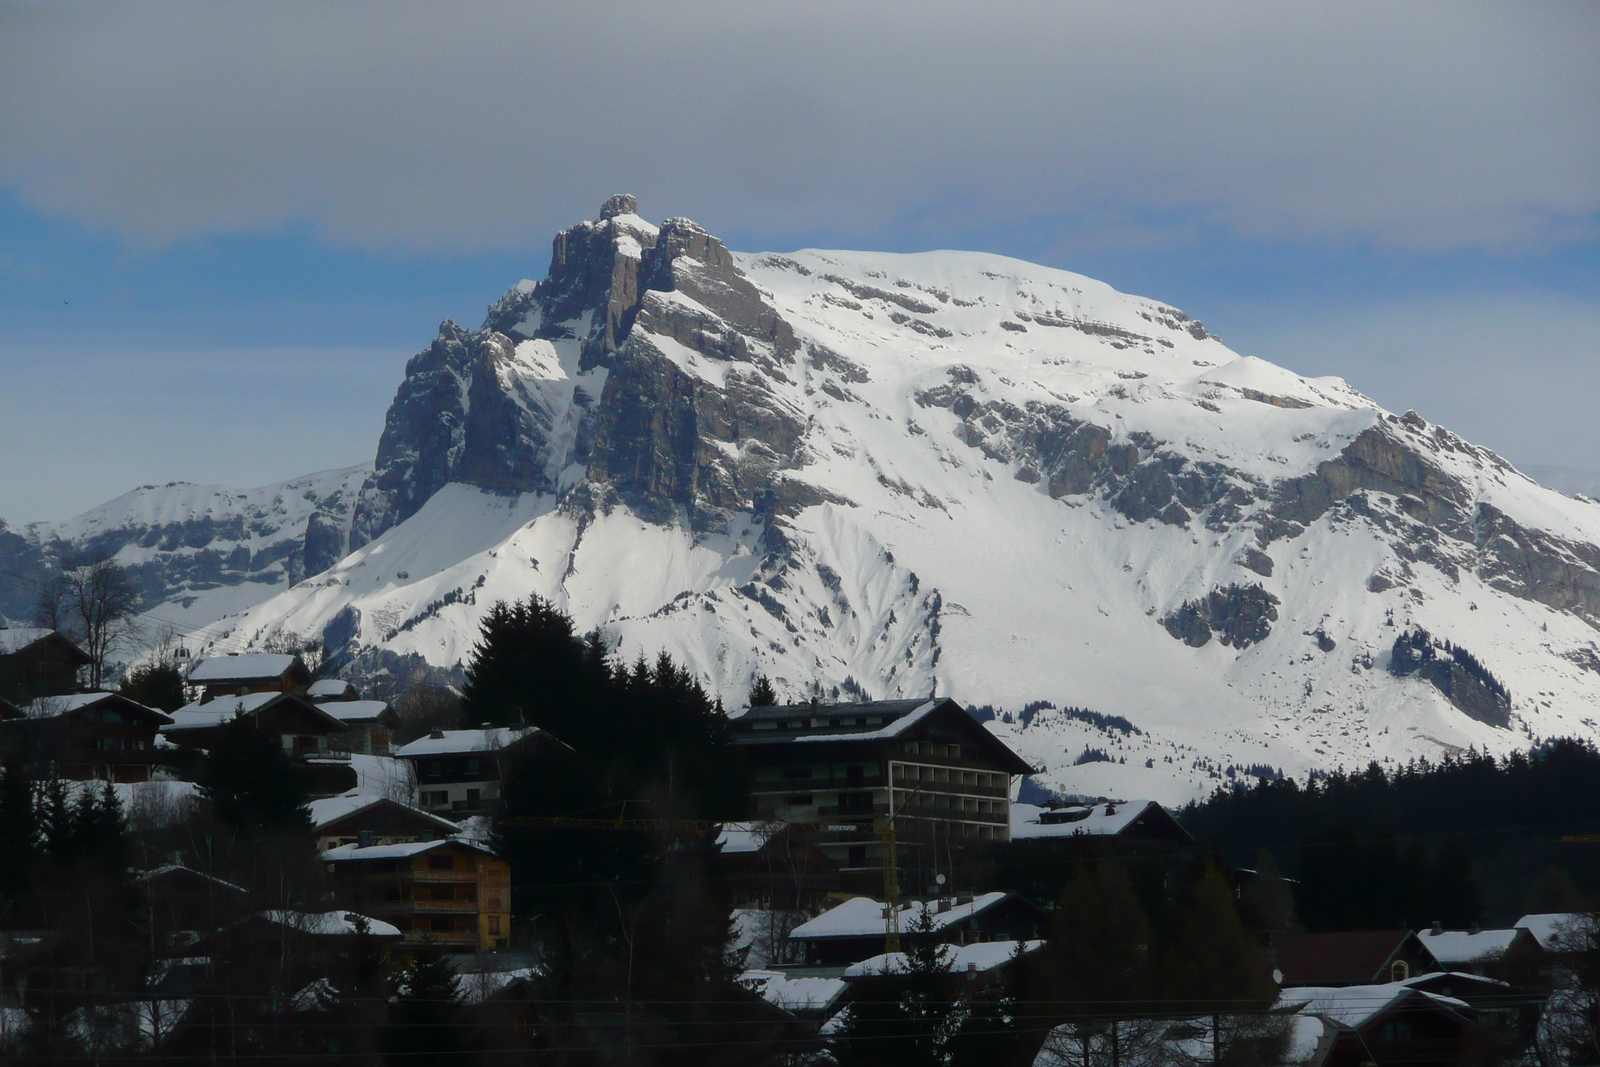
[(881, 475)]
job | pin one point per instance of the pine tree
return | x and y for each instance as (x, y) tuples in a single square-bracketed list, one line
[(762, 694), (155, 685), (426, 1025)]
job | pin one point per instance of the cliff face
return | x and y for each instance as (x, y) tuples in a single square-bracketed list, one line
[(872, 474)]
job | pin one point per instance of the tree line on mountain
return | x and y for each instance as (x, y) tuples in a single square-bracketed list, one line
[(1465, 840)]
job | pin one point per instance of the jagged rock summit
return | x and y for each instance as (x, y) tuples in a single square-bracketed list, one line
[(867, 474)]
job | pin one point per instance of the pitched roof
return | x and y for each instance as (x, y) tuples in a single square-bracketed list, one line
[(1451, 947), (1349, 956), (453, 742), (350, 712), (345, 853), (980, 956), (863, 916), (330, 689), (17, 638), (1102, 818), (53, 707), (330, 810), (1356, 1005), (1546, 927), (736, 837), (242, 667), (795, 994), (328, 923), (825, 723), (203, 715)]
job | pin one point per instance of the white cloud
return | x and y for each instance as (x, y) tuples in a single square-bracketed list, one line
[(1418, 125)]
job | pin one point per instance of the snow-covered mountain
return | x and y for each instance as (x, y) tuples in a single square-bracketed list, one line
[(196, 552), (875, 475)]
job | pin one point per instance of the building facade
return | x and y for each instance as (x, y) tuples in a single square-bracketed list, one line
[(90, 736), (449, 893), (459, 772), (842, 772)]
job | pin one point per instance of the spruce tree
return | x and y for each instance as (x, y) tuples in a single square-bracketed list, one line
[(155, 685), (762, 694), (426, 1026)]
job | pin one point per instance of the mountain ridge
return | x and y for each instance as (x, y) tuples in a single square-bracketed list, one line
[(875, 474)]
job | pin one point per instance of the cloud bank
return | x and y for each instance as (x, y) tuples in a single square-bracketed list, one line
[(457, 127)]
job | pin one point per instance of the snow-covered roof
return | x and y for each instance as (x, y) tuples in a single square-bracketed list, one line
[(1547, 926), (1459, 946), (746, 836), (50, 707), (395, 852), (171, 868), (1100, 818), (1355, 1005), (328, 923), (890, 729), (330, 810), (863, 917), (794, 994), (980, 956), (350, 712), (330, 689), (223, 710), (244, 667), (451, 742), (17, 638)]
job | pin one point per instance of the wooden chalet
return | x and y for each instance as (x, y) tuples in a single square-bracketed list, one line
[(450, 893), (89, 736), (368, 724), (301, 726), (1384, 1024), (241, 673), (357, 818), (459, 771), (858, 929), (770, 865), (1351, 957), (841, 770), (37, 662)]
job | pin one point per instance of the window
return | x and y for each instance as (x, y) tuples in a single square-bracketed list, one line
[(472, 768), (494, 924), (797, 772), (474, 799), (441, 924), (858, 855), (442, 892), (441, 863), (798, 799), (1399, 971)]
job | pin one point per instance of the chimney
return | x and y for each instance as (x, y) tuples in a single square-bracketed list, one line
[(1438, 928), (364, 839), (437, 735), (972, 971)]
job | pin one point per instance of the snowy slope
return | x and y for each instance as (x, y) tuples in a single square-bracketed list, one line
[(879, 475), (198, 552)]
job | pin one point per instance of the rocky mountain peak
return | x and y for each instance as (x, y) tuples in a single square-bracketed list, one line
[(620, 204)]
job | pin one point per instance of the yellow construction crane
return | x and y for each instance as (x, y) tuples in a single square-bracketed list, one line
[(891, 875)]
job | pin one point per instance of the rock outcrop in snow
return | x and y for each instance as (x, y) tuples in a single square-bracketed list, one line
[(866, 474)]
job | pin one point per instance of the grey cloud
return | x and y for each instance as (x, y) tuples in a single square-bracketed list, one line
[(470, 126)]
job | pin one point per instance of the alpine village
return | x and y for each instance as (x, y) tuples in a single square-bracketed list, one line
[(576, 860)]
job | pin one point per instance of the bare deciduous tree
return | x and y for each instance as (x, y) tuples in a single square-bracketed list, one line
[(93, 603)]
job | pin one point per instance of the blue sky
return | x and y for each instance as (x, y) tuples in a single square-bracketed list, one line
[(223, 228)]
